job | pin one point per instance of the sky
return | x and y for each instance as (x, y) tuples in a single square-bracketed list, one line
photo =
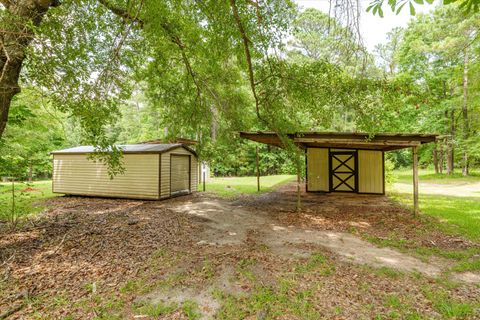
[(373, 28)]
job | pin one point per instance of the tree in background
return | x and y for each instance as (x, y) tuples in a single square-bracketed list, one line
[(207, 69), (35, 129), (431, 65)]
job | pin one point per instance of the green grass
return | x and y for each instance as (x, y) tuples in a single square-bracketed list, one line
[(450, 308), (457, 215), (233, 186), (429, 175), (26, 194)]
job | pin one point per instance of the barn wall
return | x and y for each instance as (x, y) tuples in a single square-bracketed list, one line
[(317, 169), (165, 171), (75, 174), (370, 171)]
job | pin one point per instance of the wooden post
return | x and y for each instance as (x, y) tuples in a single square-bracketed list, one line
[(415, 180), (258, 171), (13, 217), (298, 181)]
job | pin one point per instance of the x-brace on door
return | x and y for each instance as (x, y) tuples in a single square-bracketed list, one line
[(343, 171)]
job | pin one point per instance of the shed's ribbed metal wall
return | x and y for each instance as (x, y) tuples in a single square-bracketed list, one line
[(75, 174)]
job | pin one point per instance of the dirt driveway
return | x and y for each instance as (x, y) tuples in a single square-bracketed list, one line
[(465, 189), (252, 257)]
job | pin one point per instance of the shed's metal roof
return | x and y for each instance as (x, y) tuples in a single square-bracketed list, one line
[(126, 148)]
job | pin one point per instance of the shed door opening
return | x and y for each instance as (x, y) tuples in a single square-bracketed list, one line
[(179, 174), (343, 171)]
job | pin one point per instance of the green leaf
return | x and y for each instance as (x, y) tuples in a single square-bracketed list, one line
[(419, 1), (380, 12), (412, 9), (400, 8), (392, 4)]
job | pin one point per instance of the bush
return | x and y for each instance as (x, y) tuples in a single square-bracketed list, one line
[(390, 176)]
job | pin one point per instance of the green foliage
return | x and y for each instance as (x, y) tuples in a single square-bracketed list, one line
[(317, 36), (425, 64), (34, 130), (396, 6), (390, 176)]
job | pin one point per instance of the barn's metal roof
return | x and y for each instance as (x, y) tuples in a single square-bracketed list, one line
[(127, 148), (354, 140)]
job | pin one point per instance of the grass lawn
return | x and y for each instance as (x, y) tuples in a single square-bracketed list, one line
[(460, 215), (233, 186), (25, 196)]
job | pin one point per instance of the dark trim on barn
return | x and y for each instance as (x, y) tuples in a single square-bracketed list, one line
[(353, 173)]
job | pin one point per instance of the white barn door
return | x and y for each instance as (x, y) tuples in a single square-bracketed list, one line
[(179, 174)]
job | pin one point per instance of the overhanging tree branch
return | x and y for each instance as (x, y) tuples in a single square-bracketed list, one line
[(248, 55), (174, 38)]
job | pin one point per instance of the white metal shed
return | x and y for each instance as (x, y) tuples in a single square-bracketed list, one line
[(152, 171)]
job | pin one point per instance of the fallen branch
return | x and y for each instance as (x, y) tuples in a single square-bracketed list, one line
[(13, 310), (17, 308), (60, 244)]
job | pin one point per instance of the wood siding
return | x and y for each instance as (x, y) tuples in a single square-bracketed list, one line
[(165, 171), (75, 174), (317, 169), (370, 172)]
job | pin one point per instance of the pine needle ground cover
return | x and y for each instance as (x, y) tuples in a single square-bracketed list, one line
[(202, 256)]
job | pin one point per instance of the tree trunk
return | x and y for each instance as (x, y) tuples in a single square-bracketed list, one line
[(441, 158), (435, 159), (16, 33), (30, 171), (466, 128), (258, 169), (450, 145), (415, 181), (214, 124)]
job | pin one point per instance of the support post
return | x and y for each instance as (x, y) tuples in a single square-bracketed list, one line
[(299, 179), (14, 213), (258, 170), (415, 180)]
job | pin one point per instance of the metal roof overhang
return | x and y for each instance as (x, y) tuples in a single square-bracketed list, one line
[(346, 140)]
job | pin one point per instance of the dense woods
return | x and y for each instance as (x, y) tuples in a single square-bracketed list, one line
[(105, 72)]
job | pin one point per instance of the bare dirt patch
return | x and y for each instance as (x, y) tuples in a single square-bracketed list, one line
[(376, 216), (226, 224)]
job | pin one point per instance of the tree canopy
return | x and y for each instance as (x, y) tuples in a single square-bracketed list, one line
[(129, 71)]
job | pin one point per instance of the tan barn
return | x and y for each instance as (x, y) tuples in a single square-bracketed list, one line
[(152, 171), (347, 162)]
